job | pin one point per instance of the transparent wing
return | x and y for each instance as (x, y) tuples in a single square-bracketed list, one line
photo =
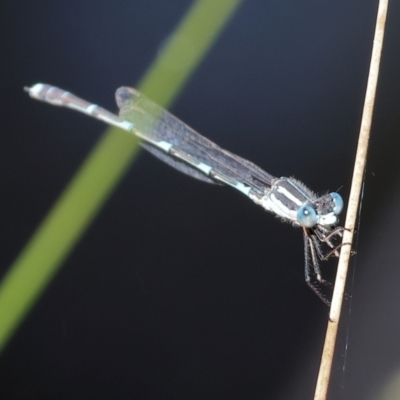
[(158, 125)]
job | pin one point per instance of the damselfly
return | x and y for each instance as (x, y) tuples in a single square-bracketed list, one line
[(175, 143)]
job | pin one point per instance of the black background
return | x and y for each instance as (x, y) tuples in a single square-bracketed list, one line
[(180, 289)]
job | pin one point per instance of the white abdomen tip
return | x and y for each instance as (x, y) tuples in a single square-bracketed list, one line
[(36, 89)]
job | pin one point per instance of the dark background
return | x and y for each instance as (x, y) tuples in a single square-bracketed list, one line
[(180, 289)]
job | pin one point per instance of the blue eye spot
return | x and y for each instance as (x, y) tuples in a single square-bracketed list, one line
[(337, 203), (307, 216)]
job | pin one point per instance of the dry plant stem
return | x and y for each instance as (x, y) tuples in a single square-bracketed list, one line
[(352, 212)]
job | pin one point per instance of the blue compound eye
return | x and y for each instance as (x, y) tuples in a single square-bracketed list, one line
[(337, 203), (307, 216)]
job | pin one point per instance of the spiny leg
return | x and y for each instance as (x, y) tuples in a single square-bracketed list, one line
[(309, 250), (320, 233)]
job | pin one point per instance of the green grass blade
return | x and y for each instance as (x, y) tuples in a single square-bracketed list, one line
[(94, 182)]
